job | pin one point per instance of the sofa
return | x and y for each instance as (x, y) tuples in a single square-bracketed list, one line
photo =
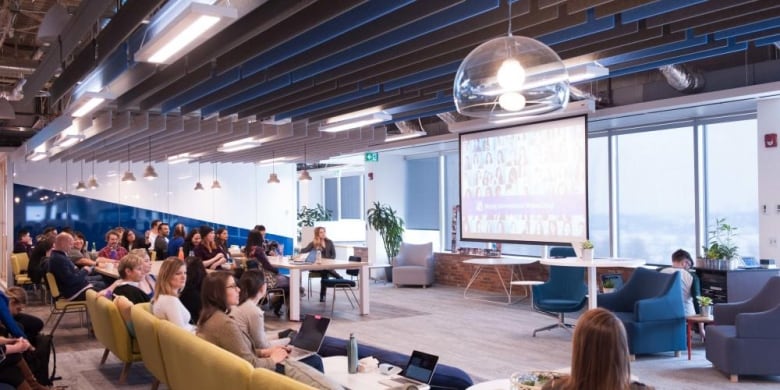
[(744, 338), (445, 377), (650, 306)]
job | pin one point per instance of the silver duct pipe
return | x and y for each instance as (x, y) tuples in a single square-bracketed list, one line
[(682, 78), (16, 93), (452, 117), (408, 127), (578, 94)]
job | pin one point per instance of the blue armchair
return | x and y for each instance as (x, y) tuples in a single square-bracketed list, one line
[(744, 339), (564, 292), (650, 305)]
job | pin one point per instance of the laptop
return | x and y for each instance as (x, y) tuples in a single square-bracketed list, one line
[(750, 262), (310, 258), (418, 371), (309, 338)]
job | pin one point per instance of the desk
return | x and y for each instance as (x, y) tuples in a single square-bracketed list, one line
[(495, 263), (295, 280), (593, 288), (335, 368), (689, 321)]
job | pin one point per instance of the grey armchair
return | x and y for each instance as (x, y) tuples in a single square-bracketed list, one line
[(414, 265), (744, 339)]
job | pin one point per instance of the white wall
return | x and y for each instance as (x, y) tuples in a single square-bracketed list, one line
[(387, 187), (768, 183), (246, 199)]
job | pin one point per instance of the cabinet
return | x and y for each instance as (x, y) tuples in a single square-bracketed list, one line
[(733, 285)]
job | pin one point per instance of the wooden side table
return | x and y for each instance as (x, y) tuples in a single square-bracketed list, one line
[(689, 322)]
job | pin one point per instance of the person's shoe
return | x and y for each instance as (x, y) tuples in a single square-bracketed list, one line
[(322, 299), (278, 311)]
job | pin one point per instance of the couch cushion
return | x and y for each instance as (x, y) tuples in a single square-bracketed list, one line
[(445, 377)]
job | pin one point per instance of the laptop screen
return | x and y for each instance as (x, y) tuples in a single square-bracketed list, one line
[(312, 333), (311, 257), (421, 367)]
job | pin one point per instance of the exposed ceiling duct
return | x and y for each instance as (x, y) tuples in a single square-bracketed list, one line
[(683, 79), (578, 94)]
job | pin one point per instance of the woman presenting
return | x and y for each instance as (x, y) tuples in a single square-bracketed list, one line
[(325, 246)]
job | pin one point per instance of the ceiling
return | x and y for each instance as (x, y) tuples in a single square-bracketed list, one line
[(284, 66)]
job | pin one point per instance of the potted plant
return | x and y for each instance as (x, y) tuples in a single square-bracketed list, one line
[(706, 305), (608, 286), (307, 216), (390, 226), (587, 250), (721, 251)]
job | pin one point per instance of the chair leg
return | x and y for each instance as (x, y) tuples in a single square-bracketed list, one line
[(105, 356), (333, 302), (123, 374), (559, 324), (155, 384), (57, 323)]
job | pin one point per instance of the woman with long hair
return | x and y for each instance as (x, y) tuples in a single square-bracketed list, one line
[(221, 239), (321, 243), (254, 251), (166, 304), (148, 281), (130, 241), (250, 319), (191, 242), (208, 251), (190, 295), (177, 241), (600, 358)]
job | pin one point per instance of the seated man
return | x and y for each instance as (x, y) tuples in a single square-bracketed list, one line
[(112, 251), (71, 281), (680, 259)]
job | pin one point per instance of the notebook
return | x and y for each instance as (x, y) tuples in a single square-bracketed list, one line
[(309, 338), (418, 371)]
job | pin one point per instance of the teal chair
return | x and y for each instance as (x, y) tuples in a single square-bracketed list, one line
[(564, 292)]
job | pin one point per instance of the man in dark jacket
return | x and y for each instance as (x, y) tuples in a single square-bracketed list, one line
[(71, 281)]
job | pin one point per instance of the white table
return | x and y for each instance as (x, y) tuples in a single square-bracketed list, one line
[(496, 384), (294, 301), (495, 263), (593, 288), (335, 368)]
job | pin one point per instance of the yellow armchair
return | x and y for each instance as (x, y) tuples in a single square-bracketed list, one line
[(111, 331), (146, 331)]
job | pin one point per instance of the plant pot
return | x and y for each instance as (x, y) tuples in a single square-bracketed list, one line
[(587, 254), (706, 311)]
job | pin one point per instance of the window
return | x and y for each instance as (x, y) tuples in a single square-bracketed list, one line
[(598, 195), (655, 194), (422, 193), (731, 164), (332, 196), (344, 197)]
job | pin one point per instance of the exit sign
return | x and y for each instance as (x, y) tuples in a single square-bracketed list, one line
[(372, 156)]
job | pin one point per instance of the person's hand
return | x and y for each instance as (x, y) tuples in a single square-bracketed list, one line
[(278, 354), (18, 346)]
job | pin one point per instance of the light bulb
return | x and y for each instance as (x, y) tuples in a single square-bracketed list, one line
[(511, 75), (512, 101)]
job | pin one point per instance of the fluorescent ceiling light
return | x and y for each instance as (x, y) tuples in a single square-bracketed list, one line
[(242, 144), (180, 27), (179, 158), (87, 103), (67, 138), (38, 154), (403, 136), (333, 125), (271, 161), (587, 71)]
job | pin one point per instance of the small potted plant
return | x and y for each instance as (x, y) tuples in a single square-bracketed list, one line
[(587, 250), (608, 286), (706, 306)]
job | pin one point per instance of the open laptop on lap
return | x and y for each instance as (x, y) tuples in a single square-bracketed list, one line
[(309, 338), (418, 371)]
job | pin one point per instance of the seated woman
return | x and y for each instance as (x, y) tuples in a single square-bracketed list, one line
[(131, 271), (191, 242), (148, 281), (208, 251), (190, 295), (217, 326), (321, 243), (31, 325), (13, 369), (600, 358), (166, 304), (177, 242), (254, 251), (248, 316)]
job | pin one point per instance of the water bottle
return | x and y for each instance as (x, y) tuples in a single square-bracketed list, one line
[(319, 256), (180, 255), (352, 354), (94, 247)]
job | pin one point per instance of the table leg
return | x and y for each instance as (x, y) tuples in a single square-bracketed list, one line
[(688, 337), (503, 285), (522, 278), (294, 303), (364, 287), (593, 289), (473, 278)]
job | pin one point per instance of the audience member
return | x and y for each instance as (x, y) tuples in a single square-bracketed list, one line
[(190, 295), (71, 281), (207, 250), (131, 241), (177, 242), (321, 243), (600, 358), (130, 274), (161, 242), (221, 240), (166, 304), (31, 325), (254, 250), (24, 243), (151, 235), (148, 281), (112, 251), (248, 316), (191, 242), (35, 268)]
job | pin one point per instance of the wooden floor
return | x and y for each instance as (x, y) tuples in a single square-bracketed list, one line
[(487, 340)]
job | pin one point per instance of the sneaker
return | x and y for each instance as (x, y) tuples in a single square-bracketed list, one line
[(322, 299)]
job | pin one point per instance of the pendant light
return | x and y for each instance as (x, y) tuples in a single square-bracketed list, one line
[(128, 176), (149, 173), (273, 179), (215, 185), (81, 187), (509, 77), (304, 176), (93, 183), (198, 186)]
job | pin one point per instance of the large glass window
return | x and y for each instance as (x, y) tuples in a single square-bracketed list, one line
[(451, 196), (598, 194), (422, 193), (351, 196), (732, 180), (655, 194), (332, 196)]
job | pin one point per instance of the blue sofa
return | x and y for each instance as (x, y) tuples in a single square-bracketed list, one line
[(651, 308), (445, 377)]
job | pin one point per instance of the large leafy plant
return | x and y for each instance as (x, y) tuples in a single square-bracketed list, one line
[(307, 216), (720, 245), (390, 226)]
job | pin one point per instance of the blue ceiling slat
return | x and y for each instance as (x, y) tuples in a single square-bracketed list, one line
[(351, 20), (440, 98), (452, 15), (201, 89), (365, 92), (691, 41), (591, 26), (748, 28), (432, 73), (114, 65), (766, 41), (656, 8), (730, 48), (258, 90)]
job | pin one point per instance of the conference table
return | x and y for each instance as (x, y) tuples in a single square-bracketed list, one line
[(294, 301), (496, 263), (592, 266)]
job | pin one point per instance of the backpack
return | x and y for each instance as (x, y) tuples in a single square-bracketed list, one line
[(39, 359)]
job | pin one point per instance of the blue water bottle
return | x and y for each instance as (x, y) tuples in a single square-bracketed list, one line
[(352, 354)]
